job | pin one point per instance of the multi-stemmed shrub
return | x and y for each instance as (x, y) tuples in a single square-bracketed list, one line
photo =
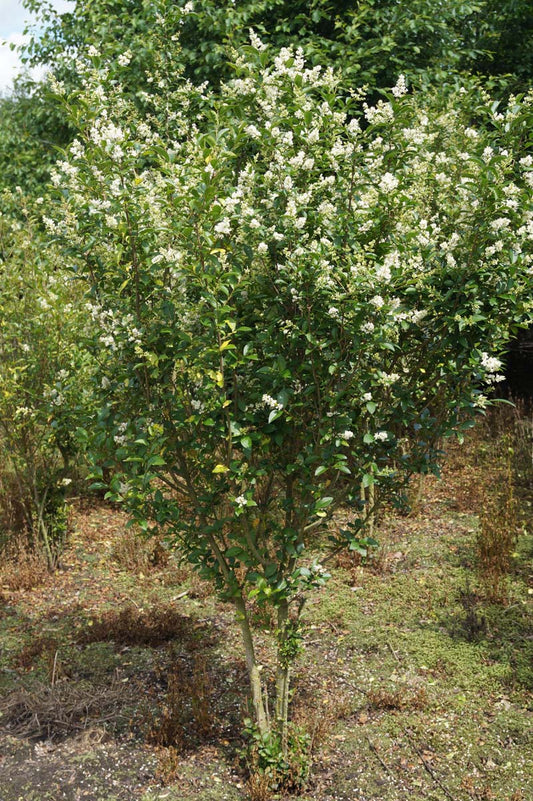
[(294, 295)]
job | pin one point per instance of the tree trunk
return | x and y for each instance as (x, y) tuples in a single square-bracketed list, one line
[(254, 674), (283, 678)]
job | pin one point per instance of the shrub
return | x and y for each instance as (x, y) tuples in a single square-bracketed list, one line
[(43, 394), (294, 296)]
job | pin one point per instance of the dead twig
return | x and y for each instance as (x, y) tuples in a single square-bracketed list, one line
[(428, 767), (378, 757), (393, 652)]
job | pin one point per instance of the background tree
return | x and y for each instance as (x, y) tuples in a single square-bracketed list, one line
[(371, 42), (43, 383)]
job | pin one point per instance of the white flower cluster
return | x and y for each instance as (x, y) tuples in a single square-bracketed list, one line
[(401, 87), (492, 365), (271, 402)]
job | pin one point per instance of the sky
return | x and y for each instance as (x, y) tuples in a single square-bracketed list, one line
[(13, 18)]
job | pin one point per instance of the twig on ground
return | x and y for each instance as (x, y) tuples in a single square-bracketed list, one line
[(378, 757), (393, 652), (428, 767)]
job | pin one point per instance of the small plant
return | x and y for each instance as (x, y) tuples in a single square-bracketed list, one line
[(185, 716), (274, 766), (22, 569), (499, 529), (398, 698), (132, 626)]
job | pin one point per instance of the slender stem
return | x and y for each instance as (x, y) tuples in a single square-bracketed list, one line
[(282, 677), (261, 717)]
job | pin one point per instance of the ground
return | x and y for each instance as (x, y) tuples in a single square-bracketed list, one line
[(412, 684)]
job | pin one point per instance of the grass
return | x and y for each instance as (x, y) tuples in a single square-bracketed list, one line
[(415, 685)]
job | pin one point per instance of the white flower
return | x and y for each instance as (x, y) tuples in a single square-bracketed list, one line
[(401, 87), (501, 222), (253, 132), (240, 500), (125, 58), (367, 396), (255, 41), (381, 436), (377, 301), (490, 363), (383, 273), (380, 113), (388, 183), (347, 434), (262, 248), (223, 227), (268, 400)]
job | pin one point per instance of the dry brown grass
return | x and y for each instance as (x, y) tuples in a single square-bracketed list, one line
[(185, 716), (399, 698), (61, 708), (133, 626), (22, 569)]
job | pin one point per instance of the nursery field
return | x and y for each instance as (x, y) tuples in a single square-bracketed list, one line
[(122, 677), (266, 275)]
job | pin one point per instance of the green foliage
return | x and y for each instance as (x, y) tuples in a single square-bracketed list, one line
[(30, 131), (371, 41), (506, 41), (276, 769), (293, 295), (42, 373)]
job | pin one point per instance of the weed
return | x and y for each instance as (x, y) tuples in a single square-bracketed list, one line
[(398, 698), (131, 553), (28, 655), (499, 528), (23, 569), (134, 626), (168, 764), (258, 787), (484, 793), (473, 625), (185, 717)]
